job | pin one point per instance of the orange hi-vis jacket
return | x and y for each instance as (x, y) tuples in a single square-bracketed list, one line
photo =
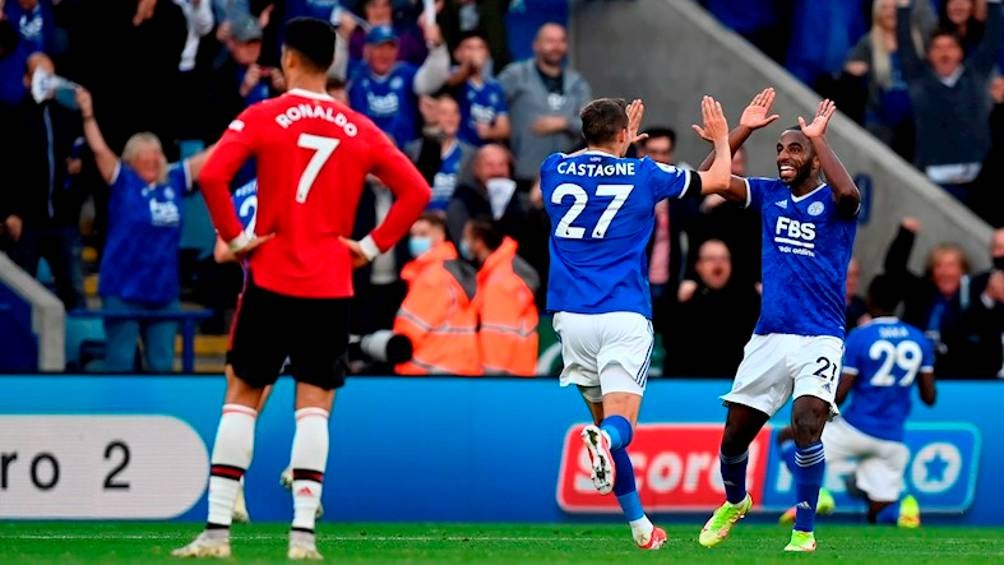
[(437, 314), (507, 312)]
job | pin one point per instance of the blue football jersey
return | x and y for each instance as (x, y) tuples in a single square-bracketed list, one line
[(886, 355), (140, 262), (445, 181), (602, 209), (806, 248), (389, 101), (480, 104), (246, 204)]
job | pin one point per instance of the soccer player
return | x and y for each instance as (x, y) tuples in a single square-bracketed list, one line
[(808, 234), (883, 360), (603, 208), (312, 154)]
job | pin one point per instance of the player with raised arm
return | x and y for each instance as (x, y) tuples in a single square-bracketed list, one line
[(795, 351), (603, 208), (312, 155), (883, 360)]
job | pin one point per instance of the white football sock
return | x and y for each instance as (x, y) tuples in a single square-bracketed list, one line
[(231, 457), (309, 458), (641, 529)]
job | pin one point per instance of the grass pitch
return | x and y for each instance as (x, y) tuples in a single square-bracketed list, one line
[(112, 543)]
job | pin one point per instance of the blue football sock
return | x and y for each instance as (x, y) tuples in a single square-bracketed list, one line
[(624, 486), (734, 475), (889, 514), (810, 464), (619, 430)]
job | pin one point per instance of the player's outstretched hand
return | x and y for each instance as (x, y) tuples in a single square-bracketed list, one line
[(255, 243), (635, 113), (817, 128), (757, 114), (359, 258), (715, 125)]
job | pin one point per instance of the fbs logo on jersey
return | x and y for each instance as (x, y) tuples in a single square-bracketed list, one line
[(676, 468), (941, 473), (795, 237)]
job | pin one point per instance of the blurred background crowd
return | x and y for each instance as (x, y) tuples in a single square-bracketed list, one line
[(477, 96)]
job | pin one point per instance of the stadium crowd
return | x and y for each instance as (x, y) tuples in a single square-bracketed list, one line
[(153, 82), (923, 76)]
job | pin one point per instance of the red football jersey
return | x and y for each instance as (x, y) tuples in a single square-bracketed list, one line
[(313, 154)]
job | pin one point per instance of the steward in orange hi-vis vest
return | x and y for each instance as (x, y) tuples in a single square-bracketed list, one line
[(507, 313), (438, 316)]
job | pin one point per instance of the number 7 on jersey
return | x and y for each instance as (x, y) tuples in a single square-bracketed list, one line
[(323, 148)]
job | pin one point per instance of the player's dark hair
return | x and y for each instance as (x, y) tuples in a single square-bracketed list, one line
[(434, 219), (662, 131), (313, 39), (484, 229), (603, 119), (884, 294)]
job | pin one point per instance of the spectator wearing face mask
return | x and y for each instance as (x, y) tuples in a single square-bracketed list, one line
[(713, 320), (41, 198), (443, 160), (437, 314), (504, 301), (492, 194)]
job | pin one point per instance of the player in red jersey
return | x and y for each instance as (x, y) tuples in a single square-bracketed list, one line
[(312, 156)]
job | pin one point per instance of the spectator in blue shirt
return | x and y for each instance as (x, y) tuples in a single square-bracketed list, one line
[(443, 159), (238, 81), (484, 112), (386, 90), (33, 26), (34, 22), (139, 268), (412, 46)]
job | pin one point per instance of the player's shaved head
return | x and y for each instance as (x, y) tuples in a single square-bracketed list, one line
[(313, 40), (603, 119), (797, 162), (883, 295)]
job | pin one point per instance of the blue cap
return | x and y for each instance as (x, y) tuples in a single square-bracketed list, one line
[(380, 34)]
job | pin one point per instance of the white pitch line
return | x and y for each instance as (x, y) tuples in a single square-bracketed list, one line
[(322, 537)]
